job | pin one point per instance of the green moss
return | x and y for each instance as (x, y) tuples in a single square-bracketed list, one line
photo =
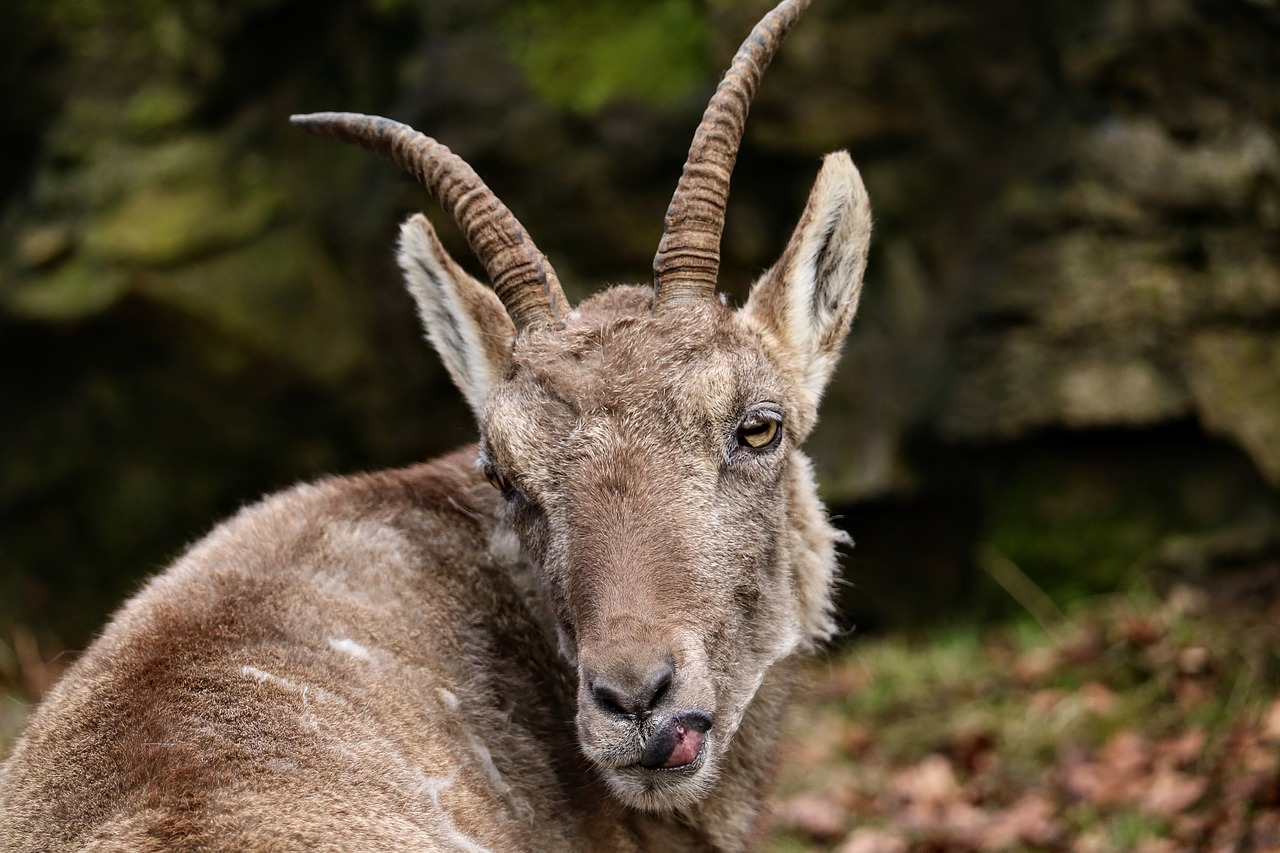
[(1130, 827), (42, 245), (584, 55), (280, 294), (158, 226), (158, 107), (73, 290), (785, 843), (1077, 550)]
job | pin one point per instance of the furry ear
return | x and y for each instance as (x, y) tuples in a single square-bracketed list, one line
[(463, 318), (807, 300)]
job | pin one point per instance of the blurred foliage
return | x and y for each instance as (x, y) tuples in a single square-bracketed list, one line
[(585, 54)]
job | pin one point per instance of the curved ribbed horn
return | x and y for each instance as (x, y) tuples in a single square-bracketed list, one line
[(688, 259), (521, 275)]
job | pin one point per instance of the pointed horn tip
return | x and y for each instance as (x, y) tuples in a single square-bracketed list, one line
[(325, 123), (308, 121), (718, 150), (319, 124)]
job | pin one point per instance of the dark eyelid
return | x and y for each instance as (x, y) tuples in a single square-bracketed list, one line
[(764, 414)]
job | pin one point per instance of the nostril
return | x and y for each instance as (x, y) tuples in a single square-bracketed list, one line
[(609, 699), (658, 685), (699, 721), (632, 698)]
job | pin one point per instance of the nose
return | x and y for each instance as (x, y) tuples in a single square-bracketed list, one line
[(631, 693)]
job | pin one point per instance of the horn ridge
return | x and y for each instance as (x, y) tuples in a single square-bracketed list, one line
[(687, 263), (521, 276)]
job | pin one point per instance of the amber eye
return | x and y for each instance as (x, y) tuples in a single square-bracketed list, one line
[(758, 431)]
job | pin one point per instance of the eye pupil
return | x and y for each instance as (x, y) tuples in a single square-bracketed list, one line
[(758, 432)]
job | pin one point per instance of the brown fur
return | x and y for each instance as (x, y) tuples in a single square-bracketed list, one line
[(411, 660), (282, 685)]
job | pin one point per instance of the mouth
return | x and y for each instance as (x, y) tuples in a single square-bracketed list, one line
[(675, 768), (678, 745), (688, 768)]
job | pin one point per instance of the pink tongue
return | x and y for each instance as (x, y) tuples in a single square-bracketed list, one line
[(688, 743)]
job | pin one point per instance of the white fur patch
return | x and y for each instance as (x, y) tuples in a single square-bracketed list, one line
[(504, 545), (263, 677), (309, 720), (351, 647), (433, 786), (787, 646), (485, 759), (344, 751), (449, 699)]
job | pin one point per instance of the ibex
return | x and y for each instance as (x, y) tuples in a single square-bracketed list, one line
[(580, 634)]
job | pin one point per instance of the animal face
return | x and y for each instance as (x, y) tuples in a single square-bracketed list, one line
[(648, 464)]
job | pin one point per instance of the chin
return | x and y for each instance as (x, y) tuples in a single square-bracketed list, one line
[(661, 790)]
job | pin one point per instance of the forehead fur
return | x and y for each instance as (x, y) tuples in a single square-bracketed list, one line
[(697, 365)]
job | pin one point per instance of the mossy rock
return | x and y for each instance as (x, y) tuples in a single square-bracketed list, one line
[(281, 294), (157, 108), (585, 55), (160, 226), (73, 290), (1235, 379)]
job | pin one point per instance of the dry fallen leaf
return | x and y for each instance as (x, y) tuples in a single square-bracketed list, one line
[(1043, 702), (1181, 749), (1028, 821), (930, 781), (1271, 723), (1120, 774), (1191, 692), (815, 815), (1194, 660), (1035, 665), (1159, 784), (1141, 631), (1172, 792), (856, 739), (867, 840), (973, 750), (1126, 753), (1098, 698)]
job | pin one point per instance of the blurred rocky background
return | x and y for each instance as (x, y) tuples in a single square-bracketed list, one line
[(1066, 374)]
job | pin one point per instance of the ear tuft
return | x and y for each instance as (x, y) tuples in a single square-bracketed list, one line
[(807, 300), (464, 320)]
